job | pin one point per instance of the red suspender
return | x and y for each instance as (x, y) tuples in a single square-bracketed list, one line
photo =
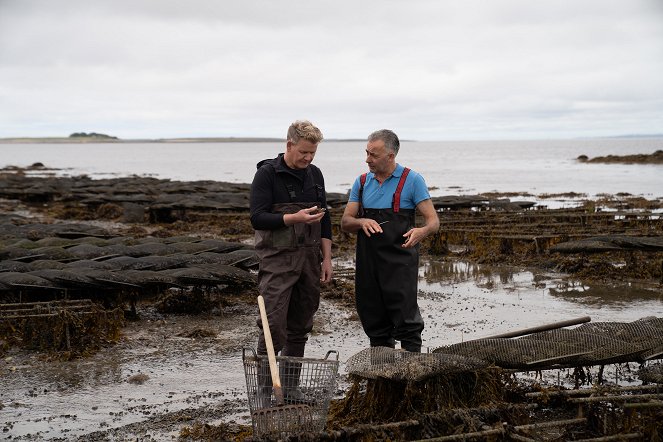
[(396, 202), (362, 181)]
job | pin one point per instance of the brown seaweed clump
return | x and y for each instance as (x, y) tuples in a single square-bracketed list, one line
[(340, 290), (186, 301), (447, 404), (66, 333), (615, 266), (138, 379), (383, 400), (206, 432)]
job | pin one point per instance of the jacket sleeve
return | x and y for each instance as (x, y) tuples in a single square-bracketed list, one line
[(262, 199), (325, 223)]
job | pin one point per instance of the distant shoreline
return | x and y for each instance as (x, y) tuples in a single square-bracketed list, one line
[(90, 140), (83, 140), (654, 158), (112, 140)]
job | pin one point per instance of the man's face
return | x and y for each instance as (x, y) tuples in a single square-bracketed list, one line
[(378, 157), (300, 154)]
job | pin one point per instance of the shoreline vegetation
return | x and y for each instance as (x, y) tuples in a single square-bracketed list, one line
[(654, 158)]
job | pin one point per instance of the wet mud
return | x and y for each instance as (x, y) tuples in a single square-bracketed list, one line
[(174, 374)]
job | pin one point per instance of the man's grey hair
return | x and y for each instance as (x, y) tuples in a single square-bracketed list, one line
[(389, 138)]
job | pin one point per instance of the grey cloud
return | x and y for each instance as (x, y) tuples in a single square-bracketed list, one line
[(436, 68)]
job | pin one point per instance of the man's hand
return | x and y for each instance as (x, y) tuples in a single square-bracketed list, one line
[(326, 271), (413, 237), (307, 216), (370, 226)]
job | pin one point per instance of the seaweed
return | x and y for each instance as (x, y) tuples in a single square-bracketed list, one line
[(65, 330), (383, 400)]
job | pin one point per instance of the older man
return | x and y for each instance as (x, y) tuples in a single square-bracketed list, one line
[(381, 210)]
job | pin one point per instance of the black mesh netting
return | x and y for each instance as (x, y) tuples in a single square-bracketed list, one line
[(595, 343), (383, 362), (589, 344), (652, 373)]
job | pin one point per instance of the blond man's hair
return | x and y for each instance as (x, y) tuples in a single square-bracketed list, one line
[(304, 129)]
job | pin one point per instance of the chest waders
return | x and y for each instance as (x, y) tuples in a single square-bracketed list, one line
[(386, 277), (289, 281)]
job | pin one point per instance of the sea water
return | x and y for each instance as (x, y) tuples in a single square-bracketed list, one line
[(535, 167)]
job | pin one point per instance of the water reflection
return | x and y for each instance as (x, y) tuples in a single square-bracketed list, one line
[(624, 293), (440, 275), (71, 375), (456, 272)]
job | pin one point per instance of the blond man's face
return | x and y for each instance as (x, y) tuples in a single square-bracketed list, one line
[(300, 154)]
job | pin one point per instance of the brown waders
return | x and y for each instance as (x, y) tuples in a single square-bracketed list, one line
[(289, 281), (386, 282)]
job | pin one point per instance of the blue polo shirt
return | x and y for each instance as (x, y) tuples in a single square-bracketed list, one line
[(378, 196)]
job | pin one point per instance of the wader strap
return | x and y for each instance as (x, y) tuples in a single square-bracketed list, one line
[(396, 202), (362, 181), (290, 187), (291, 191)]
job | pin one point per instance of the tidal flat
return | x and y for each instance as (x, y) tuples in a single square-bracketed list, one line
[(179, 375)]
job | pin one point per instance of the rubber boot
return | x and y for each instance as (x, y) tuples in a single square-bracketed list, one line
[(290, 373), (412, 348), (264, 391)]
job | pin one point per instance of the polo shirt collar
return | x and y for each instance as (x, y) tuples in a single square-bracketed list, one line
[(398, 171)]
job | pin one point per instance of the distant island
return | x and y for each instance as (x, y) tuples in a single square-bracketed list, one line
[(92, 135)]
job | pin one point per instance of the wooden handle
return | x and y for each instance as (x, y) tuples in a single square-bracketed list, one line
[(540, 328), (276, 381)]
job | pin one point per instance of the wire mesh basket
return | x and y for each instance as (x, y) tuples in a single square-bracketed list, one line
[(308, 384)]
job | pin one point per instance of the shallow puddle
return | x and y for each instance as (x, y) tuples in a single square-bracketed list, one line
[(462, 301), (459, 301)]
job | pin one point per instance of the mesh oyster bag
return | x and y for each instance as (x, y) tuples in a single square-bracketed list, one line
[(388, 363)]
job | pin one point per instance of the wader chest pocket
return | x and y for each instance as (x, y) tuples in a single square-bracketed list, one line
[(283, 238), (289, 237)]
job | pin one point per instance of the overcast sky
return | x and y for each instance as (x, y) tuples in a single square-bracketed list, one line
[(430, 70)]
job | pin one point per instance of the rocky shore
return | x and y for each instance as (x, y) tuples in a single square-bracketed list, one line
[(654, 158), (596, 239)]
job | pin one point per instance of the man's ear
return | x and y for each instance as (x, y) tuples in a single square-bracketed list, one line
[(289, 144)]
